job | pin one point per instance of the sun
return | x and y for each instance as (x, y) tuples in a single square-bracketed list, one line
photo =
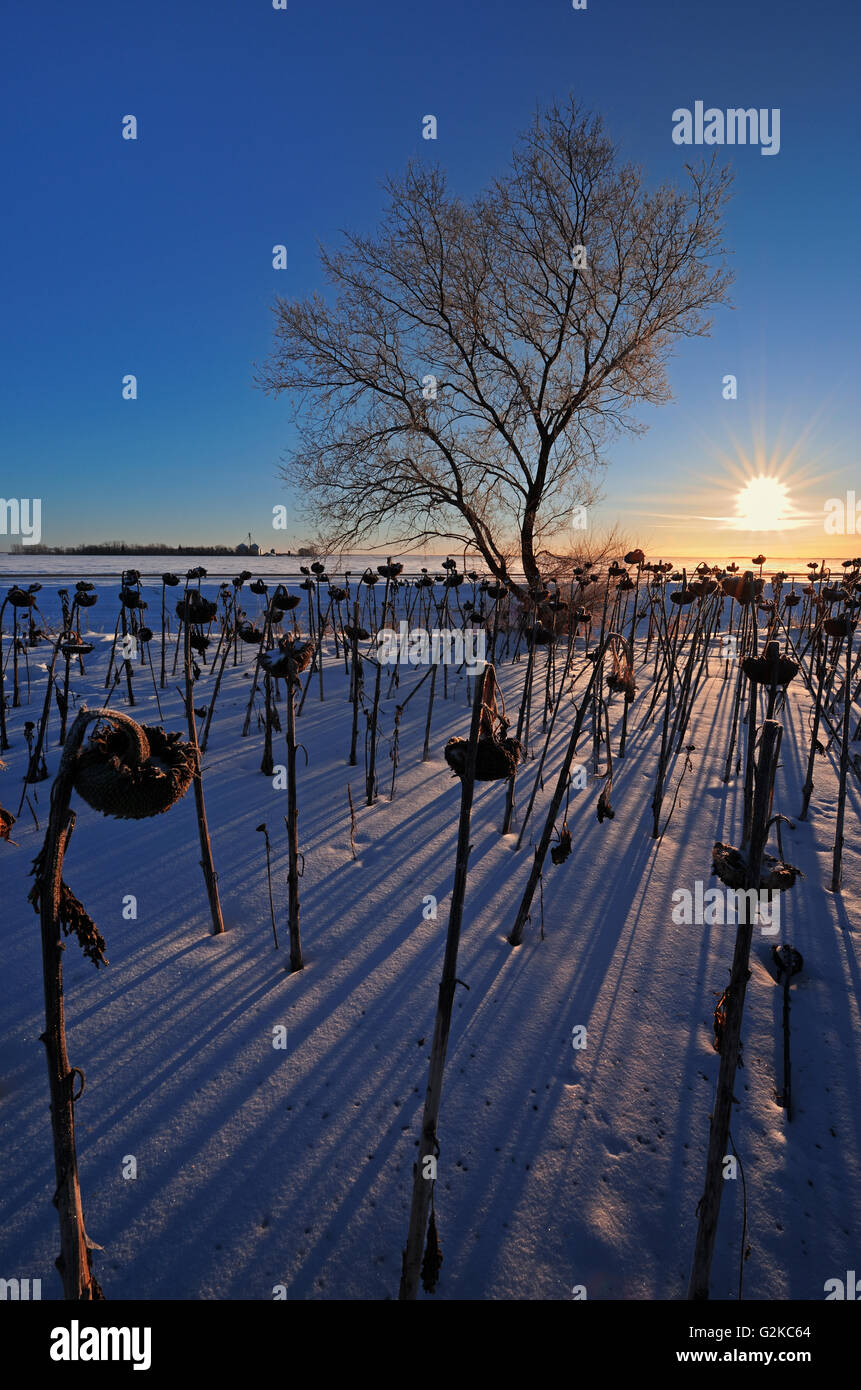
[(763, 505)]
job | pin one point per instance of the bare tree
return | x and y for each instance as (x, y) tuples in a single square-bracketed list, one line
[(478, 355)]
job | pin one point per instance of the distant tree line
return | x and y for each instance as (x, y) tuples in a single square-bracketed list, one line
[(122, 548)]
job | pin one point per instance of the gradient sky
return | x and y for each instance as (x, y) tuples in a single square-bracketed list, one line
[(259, 126)]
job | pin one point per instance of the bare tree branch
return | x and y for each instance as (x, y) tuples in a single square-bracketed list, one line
[(472, 367)]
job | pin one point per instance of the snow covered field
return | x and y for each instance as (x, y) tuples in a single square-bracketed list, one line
[(290, 1168)]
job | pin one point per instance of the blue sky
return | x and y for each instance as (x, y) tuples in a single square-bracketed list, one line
[(258, 126)]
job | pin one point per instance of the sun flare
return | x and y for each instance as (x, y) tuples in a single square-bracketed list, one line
[(763, 505)]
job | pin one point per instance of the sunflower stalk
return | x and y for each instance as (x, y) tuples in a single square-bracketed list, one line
[(708, 1209), (428, 1145)]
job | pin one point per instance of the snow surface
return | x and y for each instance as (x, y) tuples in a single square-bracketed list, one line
[(260, 1167)]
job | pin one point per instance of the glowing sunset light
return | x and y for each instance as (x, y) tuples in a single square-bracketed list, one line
[(763, 505)]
